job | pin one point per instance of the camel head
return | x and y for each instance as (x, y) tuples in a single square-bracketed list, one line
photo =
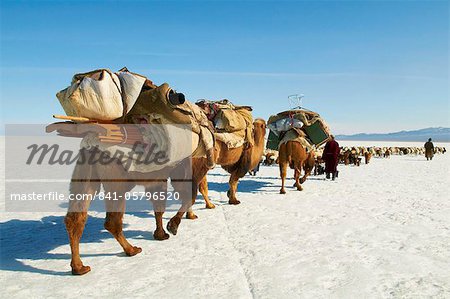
[(260, 125), (259, 130)]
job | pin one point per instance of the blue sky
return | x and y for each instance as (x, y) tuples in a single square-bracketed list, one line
[(364, 66)]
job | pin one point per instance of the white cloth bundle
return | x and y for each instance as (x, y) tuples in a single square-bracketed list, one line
[(284, 124), (100, 94)]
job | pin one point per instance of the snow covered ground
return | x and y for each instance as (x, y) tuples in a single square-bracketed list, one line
[(380, 230)]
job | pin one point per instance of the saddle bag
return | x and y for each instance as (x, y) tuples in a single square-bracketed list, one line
[(101, 94), (229, 120)]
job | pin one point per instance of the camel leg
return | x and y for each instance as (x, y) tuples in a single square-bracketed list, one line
[(303, 178), (75, 223), (233, 183), (159, 207), (297, 176), (174, 222), (203, 187), (190, 213), (199, 171), (283, 169), (76, 218), (114, 224), (160, 234), (307, 173), (186, 204), (115, 209), (299, 168)]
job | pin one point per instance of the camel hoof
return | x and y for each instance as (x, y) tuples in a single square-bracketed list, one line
[(191, 216), (234, 202), (299, 189), (210, 206), (80, 270), (302, 180), (133, 251), (172, 226), (160, 235), (282, 191)]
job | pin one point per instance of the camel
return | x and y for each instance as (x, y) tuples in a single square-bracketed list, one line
[(87, 179), (354, 157), (292, 153), (367, 156), (237, 162), (345, 156), (270, 158), (319, 169), (309, 165), (379, 152)]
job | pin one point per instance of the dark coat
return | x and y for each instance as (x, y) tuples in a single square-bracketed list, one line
[(331, 156), (429, 149)]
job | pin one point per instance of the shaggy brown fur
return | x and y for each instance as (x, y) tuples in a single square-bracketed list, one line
[(238, 161), (367, 157), (93, 176), (379, 152), (88, 178), (318, 168), (269, 160), (308, 165), (293, 154), (345, 157), (354, 158)]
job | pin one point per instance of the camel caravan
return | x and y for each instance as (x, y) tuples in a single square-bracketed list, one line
[(123, 112), (355, 155)]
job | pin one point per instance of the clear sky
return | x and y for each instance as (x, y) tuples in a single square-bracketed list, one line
[(364, 66)]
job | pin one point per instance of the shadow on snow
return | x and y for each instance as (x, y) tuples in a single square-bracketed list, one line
[(34, 239)]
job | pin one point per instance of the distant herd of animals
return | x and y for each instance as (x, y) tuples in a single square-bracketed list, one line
[(221, 133), (354, 155)]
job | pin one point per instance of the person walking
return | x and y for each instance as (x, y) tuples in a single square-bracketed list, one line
[(429, 150), (331, 157)]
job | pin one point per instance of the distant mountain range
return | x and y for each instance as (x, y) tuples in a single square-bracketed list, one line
[(439, 134)]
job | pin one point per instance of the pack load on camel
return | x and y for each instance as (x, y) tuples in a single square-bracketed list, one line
[(101, 94), (301, 125), (109, 100), (296, 134), (109, 111), (233, 124), (239, 142)]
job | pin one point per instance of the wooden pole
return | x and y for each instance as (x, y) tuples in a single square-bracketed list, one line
[(73, 118)]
